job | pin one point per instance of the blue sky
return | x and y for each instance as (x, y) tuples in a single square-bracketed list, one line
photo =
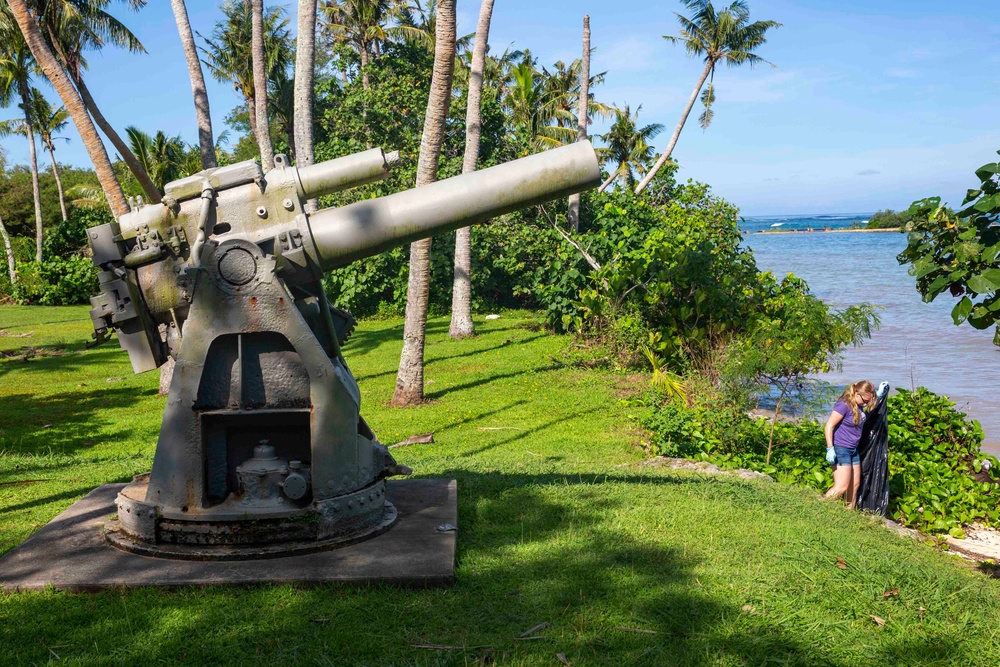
[(871, 105)]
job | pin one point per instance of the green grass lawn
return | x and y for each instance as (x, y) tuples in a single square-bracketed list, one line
[(560, 524)]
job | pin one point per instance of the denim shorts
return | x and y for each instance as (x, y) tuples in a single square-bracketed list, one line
[(846, 456)]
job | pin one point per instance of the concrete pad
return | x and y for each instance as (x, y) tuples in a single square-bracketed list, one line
[(70, 552)]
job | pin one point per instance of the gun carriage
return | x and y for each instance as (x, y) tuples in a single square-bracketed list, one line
[(262, 450)]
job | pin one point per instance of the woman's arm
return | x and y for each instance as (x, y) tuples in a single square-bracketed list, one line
[(831, 423)]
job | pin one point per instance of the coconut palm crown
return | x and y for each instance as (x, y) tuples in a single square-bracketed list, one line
[(725, 36)]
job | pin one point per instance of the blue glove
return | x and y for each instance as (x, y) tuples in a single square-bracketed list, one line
[(830, 455), (882, 389)]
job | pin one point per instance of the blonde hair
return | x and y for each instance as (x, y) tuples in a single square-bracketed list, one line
[(850, 397)]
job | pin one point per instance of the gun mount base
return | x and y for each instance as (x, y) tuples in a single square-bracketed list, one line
[(143, 529)]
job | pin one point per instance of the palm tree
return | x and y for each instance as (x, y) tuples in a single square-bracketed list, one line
[(562, 90), (16, 70), (361, 24), (530, 107), (11, 268), (75, 26), (417, 25), (461, 294), (162, 157), (583, 102), (305, 70), (628, 147), (49, 121), (726, 36), (410, 378), (228, 53), (260, 72), (206, 142)]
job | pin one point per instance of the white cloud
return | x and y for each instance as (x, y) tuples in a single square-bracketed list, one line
[(902, 73)]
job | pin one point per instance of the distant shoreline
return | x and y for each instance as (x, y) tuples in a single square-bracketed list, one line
[(826, 230)]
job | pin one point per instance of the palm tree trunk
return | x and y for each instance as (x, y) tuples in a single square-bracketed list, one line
[(573, 212), (410, 378), (611, 179), (11, 269), (35, 191), (260, 84), (92, 109), (461, 293), (305, 70), (55, 173), (364, 65), (677, 130), (148, 187), (74, 105), (206, 141)]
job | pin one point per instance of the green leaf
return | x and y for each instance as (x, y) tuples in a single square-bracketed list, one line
[(961, 311), (987, 170), (987, 204), (986, 282)]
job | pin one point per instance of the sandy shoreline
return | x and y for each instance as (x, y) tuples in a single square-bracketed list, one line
[(826, 231)]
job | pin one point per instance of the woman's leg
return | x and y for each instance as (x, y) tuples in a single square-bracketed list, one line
[(855, 484), (841, 481)]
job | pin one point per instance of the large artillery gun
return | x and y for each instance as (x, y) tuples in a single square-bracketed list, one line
[(262, 450)]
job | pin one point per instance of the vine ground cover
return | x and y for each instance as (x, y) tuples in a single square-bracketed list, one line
[(558, 524)]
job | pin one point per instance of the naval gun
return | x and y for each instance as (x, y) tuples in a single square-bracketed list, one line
[(262, 449)]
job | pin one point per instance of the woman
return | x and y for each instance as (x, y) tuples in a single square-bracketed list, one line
[(843, 433)]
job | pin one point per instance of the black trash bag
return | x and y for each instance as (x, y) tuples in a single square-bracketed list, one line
[(873, 494)]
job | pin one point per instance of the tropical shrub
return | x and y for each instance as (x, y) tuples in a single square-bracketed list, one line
[(939, 480), (960, 252), (65, 276), (678, 270)]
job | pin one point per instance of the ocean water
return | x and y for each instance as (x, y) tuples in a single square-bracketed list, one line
[(786, 223), (917, 344)]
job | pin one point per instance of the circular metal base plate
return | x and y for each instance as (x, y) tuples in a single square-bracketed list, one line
[(119, 539)]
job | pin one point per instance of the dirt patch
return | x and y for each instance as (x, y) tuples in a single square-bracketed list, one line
[(703, 467), (631, 385)]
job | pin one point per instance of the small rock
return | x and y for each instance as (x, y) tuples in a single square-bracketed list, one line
[(493, 316)]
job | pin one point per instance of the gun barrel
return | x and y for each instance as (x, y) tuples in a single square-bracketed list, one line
[(331, 176), (365, 228)]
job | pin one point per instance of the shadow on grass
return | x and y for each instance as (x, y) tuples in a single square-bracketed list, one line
[(532, 549), (56, 358), (61, 423), (432, 360), (487, 379), (45, 500)]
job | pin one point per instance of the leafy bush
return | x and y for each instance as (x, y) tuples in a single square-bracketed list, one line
[(677, 271), (960, 252), (65, 276), (889, 219), (58, 281), (939, 480)]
